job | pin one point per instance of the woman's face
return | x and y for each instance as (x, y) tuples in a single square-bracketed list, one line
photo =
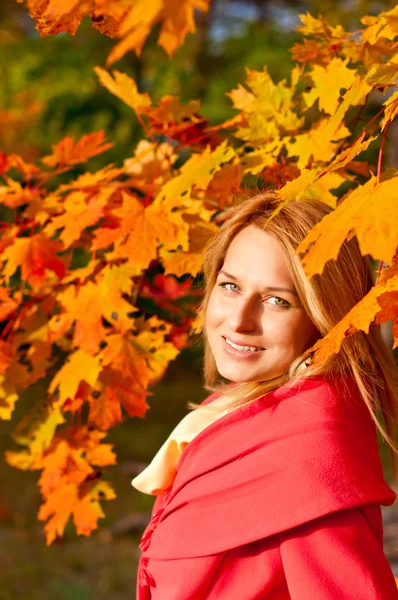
[(255, 323)]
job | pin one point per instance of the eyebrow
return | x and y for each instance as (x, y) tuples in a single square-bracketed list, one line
[(268, 288)]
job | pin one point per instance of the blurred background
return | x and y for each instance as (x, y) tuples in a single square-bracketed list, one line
[(49, 90)]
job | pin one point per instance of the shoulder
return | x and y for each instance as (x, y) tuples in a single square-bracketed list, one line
[(332, 394)]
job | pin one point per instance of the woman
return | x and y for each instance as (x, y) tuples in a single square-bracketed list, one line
[(271, 489)]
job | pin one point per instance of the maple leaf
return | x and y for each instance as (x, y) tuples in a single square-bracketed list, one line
[(346, 156), (83, 307), (135, 28), (144, 228), (385, 25), (328, 81), (369, 211), (79, 366), (158, 353), (90, 181), (14, 194), (176, 17), (170, 112), (315, 144), (311, 25), (82, 210), (59, 506), (8, 304), (124, 87), (37, 428), (360, 317), (199, 170), (310, 51), (391, 110), (178, 21), (123, 382), (181, 263), (8, 398), (88, 510), (67, 153), (35, 255), (267, 108), (7, 354)]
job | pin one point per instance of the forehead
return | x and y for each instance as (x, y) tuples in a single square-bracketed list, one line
[(257, 256)]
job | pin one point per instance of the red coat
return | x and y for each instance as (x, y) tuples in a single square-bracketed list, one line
[(277, 500)]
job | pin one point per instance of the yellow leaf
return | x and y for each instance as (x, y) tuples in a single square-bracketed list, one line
[(359, 318), (8, 398), (180, 263), (80, 366), (136, 27), (19, 460), (369, 212), (124, 87), (315, 144), (383, 74), (328, 81), (81, 210), (320, 189), (44, 433), (311, 25), (346, 156), (391, 110), (178, 20), (198, 171), (354, 96), (385, 25)]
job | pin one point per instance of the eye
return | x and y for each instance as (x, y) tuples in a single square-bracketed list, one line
[(279, 302), (226, 285)]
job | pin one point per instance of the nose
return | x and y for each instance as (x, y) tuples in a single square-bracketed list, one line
[(244, 316)]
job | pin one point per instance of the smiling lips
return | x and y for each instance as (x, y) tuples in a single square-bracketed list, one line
[(241, 348)]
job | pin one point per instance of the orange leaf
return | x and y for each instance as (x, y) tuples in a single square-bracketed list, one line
[(124, 87), (370, 212), (35, 255), (60, 505), (144, 229), (67, 153), (80, 366), (359, 318)]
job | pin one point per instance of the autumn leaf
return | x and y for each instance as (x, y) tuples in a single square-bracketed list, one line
[(360, 318), (384, 25), (67, 153), (369, 211), (328, 81), (58, 508), (199, 170), (391, 110), (143, 229), (80, 366), (81, 210), (123, 87), (36, 256), (88, 510), (8, 398)]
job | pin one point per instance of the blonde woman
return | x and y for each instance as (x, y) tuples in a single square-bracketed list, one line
[(271, 488)]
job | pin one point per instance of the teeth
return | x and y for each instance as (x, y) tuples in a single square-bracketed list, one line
[(242, 348)]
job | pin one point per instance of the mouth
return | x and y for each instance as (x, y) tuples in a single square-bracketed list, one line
[(240, 350)]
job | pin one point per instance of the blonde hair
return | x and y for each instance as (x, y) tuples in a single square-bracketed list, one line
[(326, 298)]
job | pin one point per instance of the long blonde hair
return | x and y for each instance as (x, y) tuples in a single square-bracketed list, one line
[(326, 298)]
